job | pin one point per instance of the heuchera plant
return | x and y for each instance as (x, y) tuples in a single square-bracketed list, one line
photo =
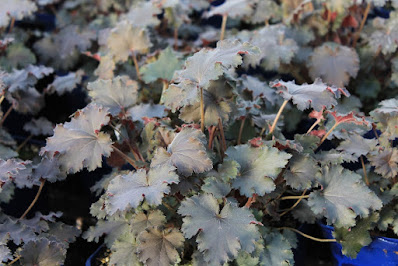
[(222, 141)]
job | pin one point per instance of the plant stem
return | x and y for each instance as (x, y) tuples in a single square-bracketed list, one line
[(223, 25), (6, 114), (364, 170), (295, 197), (312, 127), (212, 130), (375, 131), (202, 111), (221, 128), (175, 35), (308, 236), (1, 98), (43, 181), (128, 159), (137, 69), (24, 143), (365, 16), (295, 204), (328, 133), (14, 260), (218, 147), (165, 85), (242, 124), (250, 201), (277, 116), (11, 25), (262, 132)]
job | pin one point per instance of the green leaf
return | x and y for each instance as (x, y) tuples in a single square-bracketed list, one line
[(304, 214), (124, 251), (228, 170), (357, 145), (258, 88), (245, 259), (342, 197), (302, 170), (216, 187), (127, 191), (18, 56), (221, 233), (277, 250), (355, 238), (187, 153), (159, 247), (113, 229), (258, 168), (163, 68)]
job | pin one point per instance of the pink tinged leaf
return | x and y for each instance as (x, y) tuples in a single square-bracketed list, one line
[(319, 133), (349, 118)]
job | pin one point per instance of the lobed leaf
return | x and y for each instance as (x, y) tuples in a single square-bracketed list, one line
[(117, 94), (43, 252), (222, 233), (342, 197), (159, 247), (317, 95), (186, 152), (80, 142), (355, 238), (163, 68), (334, 63), (258, 168), (128, 191)]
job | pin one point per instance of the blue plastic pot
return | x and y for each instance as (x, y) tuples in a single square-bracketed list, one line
[(90, 260), (383, 251)]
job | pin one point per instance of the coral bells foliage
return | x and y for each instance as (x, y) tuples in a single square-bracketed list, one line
[(222, 141)]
